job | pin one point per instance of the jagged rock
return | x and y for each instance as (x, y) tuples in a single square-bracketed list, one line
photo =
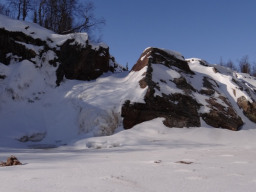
[(180, 107), (9, 43), (74, 60), (160, 56), (222, 116), (12, 160), (249, 108), (82, 63), (178, 110)]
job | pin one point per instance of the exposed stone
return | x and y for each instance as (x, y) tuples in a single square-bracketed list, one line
[(222, 116), (208, 92), (178, 109), (36, 137), (82, 63), (74, 61), (209, 83), (159, 56), (12, 160), (203, 62), (249, 109), (182, 84), (9, 44), (2, 76), (215, 70)]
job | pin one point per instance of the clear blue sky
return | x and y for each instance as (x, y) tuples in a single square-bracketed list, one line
[(207, 29)]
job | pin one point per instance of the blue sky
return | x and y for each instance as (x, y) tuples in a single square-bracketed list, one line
[(207, 29)]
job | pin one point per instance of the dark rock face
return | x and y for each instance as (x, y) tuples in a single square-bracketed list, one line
[(82, 63), (249, 108), (222, 116), (9, 44), (178, 111), (179, 108)]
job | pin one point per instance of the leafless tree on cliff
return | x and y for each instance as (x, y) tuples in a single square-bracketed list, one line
[(87, 21), (245, 66), (20, 7), (4, 10), (231, 65)]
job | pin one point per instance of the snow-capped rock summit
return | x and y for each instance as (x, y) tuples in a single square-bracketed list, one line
[(188, 93)]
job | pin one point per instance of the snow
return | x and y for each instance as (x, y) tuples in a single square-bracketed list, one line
[(145, 158), (164, 74), (84, 146), (174, 53), (36, 31)]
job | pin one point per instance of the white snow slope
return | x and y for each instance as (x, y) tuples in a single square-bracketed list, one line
[(148, 157)]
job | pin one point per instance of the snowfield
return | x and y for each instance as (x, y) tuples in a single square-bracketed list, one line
[(149, 157)]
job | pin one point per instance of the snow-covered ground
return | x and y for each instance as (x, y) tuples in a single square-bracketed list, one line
[(145, 158)]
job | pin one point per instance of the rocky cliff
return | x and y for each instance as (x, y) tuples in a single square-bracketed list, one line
[(72, 55), (188, 92), (56, 88)]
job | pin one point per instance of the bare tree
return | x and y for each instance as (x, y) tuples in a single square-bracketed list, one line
[(253, 73), (221, 63), (245, 66), (61, 16), (20, 7), (41, 12), (231, 65), (87, 22), (4, 10), (25, 8)]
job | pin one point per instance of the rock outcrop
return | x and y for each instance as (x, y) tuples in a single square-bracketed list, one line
[(12, 160), (72, 59), (249, 108), (171, 94), (83, 62), (178, 110)]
